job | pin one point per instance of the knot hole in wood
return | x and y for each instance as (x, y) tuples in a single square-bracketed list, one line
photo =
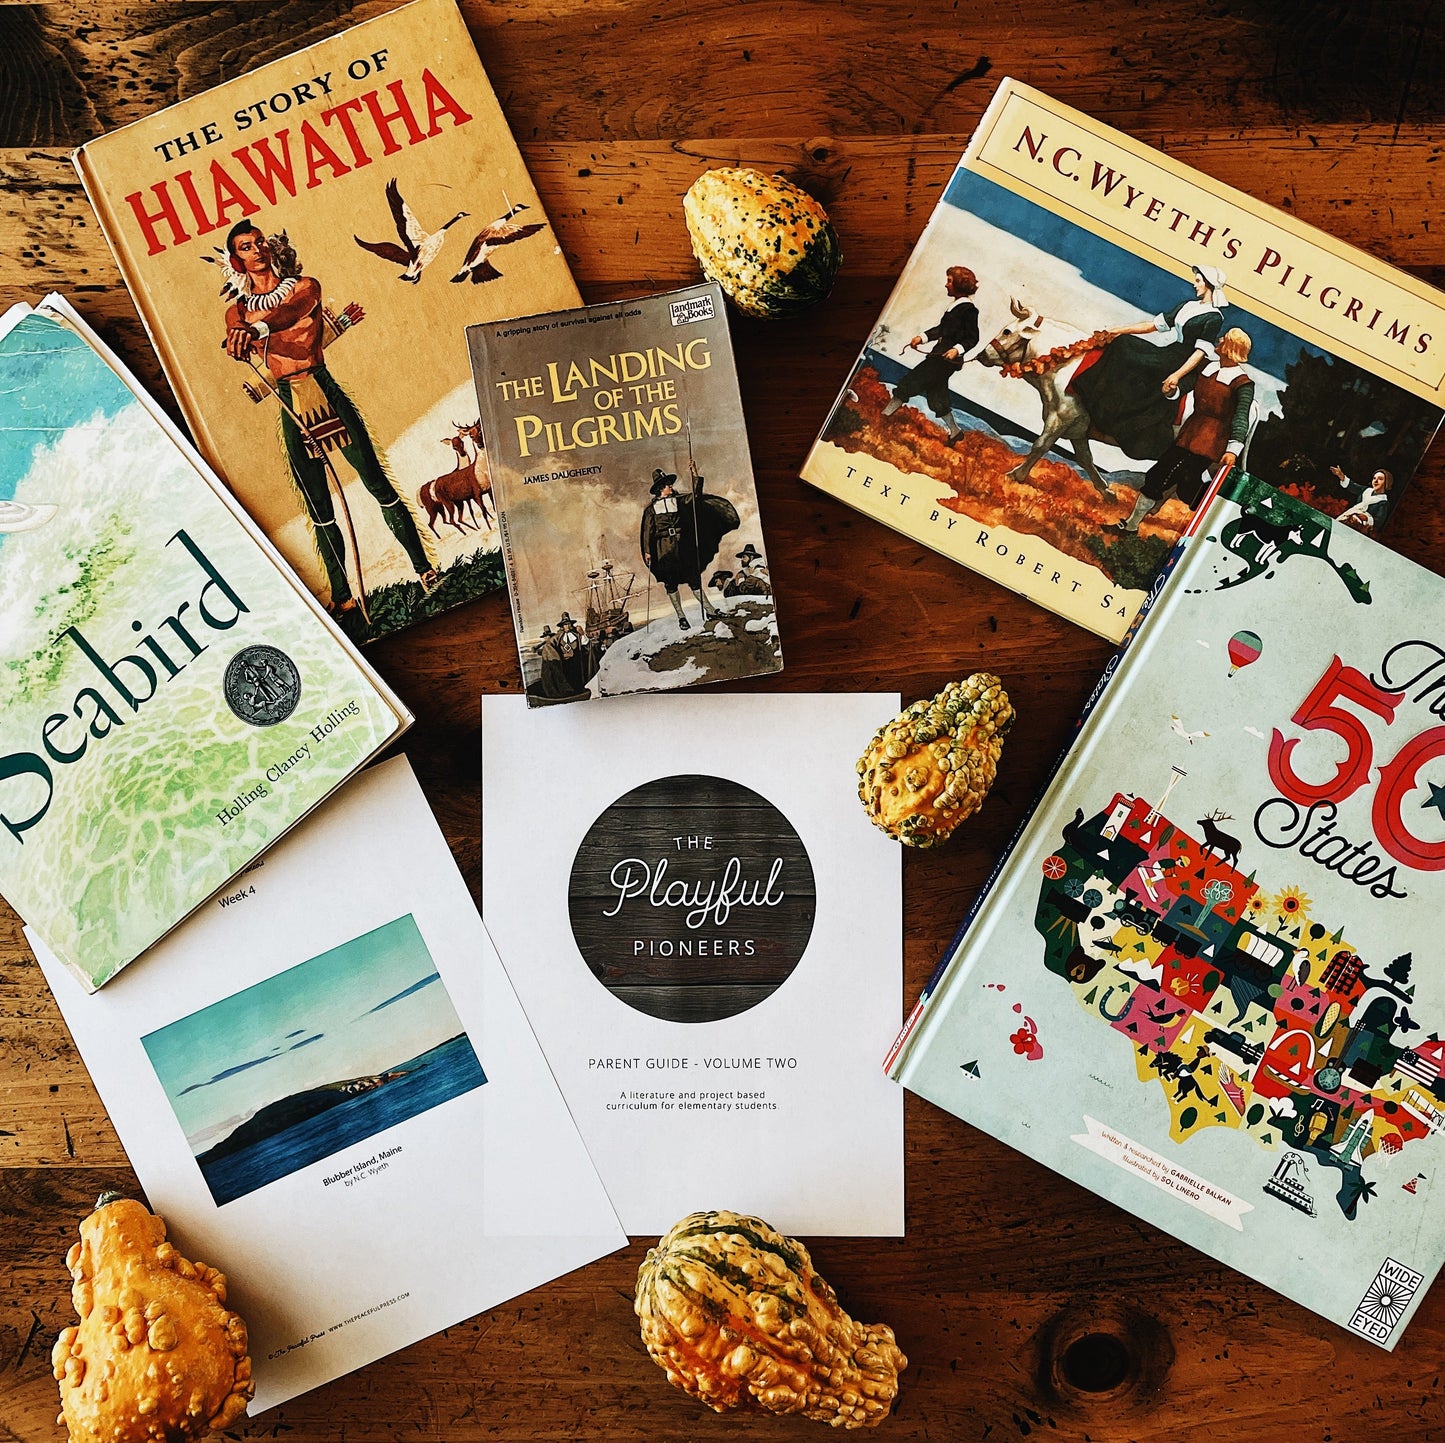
[(1101, 1353)]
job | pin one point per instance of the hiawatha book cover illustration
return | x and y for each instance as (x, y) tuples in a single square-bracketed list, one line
[(1086, 331), (305, 244), (173, 700), (631, 536), (1215, 938)]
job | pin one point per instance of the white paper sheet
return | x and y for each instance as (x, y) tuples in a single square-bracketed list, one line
[(780, 1107), (424, 1198)]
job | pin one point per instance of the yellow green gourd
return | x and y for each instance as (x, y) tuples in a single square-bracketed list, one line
[(931, 767), (767, 243)]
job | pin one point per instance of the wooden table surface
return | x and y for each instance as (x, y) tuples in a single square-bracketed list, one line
[(1026, 1305)]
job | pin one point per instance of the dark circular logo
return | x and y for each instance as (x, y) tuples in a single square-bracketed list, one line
[(691, 898), (262, 685)]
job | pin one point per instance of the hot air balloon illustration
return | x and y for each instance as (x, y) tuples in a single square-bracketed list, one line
[(1244, 647)]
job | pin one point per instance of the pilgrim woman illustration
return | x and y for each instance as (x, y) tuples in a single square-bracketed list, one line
[(1373, 506), (1132, 390)]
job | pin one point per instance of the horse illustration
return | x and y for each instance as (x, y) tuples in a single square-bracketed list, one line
[(1028, 338)]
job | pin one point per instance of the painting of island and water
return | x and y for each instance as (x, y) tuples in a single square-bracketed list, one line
[(319, 1057)]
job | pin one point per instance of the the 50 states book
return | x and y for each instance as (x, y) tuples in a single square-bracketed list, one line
[(305, 244), (1087, 328), (173, 699), (631, 535), (1204, 980)]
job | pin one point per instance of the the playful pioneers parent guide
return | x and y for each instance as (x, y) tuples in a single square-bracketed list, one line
[(1087, 332), (305, 245), (1204, 983), (678, 929)]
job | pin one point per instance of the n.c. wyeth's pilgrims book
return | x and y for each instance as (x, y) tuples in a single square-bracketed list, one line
[(305, 244), (1085, 329), (173, 698), (630, 528), (1215, 938)]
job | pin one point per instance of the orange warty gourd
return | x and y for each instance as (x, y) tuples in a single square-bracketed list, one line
[(156, 1354), (734, 1314)]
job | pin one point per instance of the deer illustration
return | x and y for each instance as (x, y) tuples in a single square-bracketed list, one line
[(456, 496), (458, 443), (1218, 841)]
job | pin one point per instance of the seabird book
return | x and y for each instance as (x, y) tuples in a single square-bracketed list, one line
[(342, 1106), (630, 527), (305, 244), (1087, 332), (1204, 981), (173, 698)]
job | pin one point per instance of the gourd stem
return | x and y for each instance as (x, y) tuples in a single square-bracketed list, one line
[(109, 1196)]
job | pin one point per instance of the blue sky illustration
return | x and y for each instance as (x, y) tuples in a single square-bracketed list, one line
[(1111, 267), (361, 1008), (49, 379)]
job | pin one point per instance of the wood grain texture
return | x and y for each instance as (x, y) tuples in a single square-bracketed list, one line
[(617, 69), (1332, 108)]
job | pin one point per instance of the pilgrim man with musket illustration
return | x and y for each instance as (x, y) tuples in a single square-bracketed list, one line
[(680, 536)]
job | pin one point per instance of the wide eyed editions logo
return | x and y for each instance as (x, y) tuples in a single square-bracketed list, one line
[(692, 898)]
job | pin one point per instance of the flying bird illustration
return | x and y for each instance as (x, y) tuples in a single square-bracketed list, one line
[(1177, 727), (418, 248), (478, 267), (17, 516)]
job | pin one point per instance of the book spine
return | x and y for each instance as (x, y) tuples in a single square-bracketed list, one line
[(513, 593), (492, 430), (897, 1056)]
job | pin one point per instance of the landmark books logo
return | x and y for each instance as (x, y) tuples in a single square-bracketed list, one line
[(685, 312), (1385, 1301)]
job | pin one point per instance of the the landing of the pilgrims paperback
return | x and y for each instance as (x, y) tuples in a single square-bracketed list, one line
[(305, 244), (629, 519), (1086, 331)]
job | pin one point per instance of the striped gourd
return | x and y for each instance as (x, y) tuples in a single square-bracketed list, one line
[(734, 1314)]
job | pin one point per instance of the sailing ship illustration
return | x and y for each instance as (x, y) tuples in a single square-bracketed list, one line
[(607, 615), (567, 656)]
